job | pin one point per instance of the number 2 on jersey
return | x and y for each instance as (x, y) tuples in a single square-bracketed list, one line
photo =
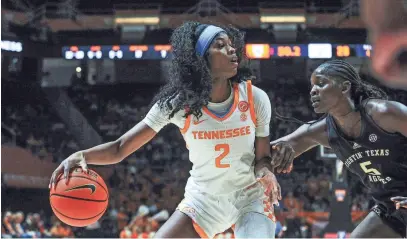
[(225, 148)]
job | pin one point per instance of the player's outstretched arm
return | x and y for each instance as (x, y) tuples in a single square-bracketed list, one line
[(285, 149), (107, 153), (115, 151)]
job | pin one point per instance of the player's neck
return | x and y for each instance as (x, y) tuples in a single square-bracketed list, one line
[(221, 90), (345, 113)]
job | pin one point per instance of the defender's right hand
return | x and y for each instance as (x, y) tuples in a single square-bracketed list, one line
[(75, 160), (282, 157)]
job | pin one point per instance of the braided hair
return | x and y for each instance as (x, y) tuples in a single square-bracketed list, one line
[(360, 90), (343, 71)]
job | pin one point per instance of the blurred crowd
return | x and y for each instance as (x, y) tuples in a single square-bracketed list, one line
[(289, 99), (29, 121), (38, 130), (32, 225), (146, 188)]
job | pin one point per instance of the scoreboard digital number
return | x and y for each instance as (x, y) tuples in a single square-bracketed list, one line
[(289, 51), (343, 51), (352, 50)]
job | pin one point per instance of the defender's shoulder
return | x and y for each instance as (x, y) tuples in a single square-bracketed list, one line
[(383, 108)]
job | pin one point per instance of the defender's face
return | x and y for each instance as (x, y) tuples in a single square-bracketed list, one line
[(325, 93)]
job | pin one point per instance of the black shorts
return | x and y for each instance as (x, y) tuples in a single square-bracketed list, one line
[(397, 220)]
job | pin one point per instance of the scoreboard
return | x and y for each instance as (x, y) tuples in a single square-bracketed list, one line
[(253, 51), (312, 50), (117, 52)]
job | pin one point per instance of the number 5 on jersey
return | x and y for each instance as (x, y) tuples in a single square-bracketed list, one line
[(371, 171), (225, 149)]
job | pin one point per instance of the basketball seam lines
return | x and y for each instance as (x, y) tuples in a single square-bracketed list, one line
[(77, 218)]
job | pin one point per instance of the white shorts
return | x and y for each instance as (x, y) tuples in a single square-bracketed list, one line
[(212, 214)]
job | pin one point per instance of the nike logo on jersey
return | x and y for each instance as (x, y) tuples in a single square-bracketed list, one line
[(356, 146), (196, 122), (89, 186)]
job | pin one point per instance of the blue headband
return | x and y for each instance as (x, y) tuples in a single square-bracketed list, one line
[(205, 39)]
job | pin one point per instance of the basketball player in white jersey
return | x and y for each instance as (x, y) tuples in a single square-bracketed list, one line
[(225, 123)]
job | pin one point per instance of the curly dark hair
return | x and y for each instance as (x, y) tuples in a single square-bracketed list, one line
[(190, 81)]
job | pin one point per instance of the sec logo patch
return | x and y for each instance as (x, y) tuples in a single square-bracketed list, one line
[(243, 106)]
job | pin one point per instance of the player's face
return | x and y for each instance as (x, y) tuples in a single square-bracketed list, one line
[(325, 93), (222, 57)]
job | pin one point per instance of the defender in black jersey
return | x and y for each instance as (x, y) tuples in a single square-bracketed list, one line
[(367, 132)]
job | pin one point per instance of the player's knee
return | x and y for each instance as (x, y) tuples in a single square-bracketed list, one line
[(254, 225)]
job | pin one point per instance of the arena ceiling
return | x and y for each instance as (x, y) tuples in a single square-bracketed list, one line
[(108, 5)]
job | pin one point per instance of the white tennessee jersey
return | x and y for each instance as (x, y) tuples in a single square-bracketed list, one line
[(222, 149)]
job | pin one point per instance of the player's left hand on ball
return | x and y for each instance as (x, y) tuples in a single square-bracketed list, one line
[(399, 201), (271, 186)]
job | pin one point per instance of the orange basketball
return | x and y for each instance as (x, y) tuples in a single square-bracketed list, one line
[(82, 201)]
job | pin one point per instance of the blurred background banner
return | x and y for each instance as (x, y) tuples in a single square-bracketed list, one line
[(20, 168)]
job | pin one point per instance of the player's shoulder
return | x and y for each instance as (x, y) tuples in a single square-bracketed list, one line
[(258, 93), (385, 113), (378, 108), (316, 126), (165, 108), (258, 90)]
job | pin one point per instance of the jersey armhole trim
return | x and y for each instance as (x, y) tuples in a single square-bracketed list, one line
[(251, 102), (186, 125), (201, 232)]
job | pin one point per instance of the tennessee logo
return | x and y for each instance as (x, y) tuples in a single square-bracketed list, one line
[(189, 210), (243, 117), (92, 187), (243, 106), (196, 122)]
